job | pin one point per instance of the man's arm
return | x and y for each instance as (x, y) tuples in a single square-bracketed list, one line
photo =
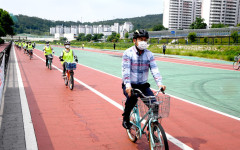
[(126, 64)]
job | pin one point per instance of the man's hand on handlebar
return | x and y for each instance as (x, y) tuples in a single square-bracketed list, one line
[(129, 91)]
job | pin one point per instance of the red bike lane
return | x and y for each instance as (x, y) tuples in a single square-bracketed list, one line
[(80, 119), (69, 120), (197, 127)]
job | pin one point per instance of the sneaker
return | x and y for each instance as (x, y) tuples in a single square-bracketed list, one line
[(126, 124)]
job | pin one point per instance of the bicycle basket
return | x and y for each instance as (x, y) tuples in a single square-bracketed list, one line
[(71, 66), (50, 56), (159, 104)]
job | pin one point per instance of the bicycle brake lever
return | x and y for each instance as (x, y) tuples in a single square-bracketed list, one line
[(133, 93)]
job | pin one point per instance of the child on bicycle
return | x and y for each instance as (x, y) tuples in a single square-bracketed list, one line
[(136, 62), (47, 50), (67, 55)]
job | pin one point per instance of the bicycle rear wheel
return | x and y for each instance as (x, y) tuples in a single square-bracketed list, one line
[(132, 132), (236, 65), (157, 137)]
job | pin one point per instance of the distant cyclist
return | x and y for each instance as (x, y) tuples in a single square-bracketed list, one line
[(67, 55), (136, 62), (29, 47), (47, 50)]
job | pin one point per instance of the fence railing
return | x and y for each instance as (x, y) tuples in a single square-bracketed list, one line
[(4, 57)]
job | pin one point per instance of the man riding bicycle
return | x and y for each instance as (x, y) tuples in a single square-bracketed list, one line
[(67, 55), (136, 62), (47, 50)]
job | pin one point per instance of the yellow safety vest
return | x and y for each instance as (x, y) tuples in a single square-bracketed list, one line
[(67, 57), (30, 47), (48, 50)]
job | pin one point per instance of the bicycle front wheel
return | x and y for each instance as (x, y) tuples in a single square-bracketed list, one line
[(50, 64), (236, 65), (66, 81), (71, 82), (133, 131), (157, 137)]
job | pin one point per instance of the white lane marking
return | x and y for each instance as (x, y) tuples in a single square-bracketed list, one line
[(170, 138), (30, 137)]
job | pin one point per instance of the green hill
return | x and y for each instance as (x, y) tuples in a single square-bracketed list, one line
[(38, 26)]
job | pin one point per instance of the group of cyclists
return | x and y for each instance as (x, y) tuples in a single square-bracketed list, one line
[(27, 46), (67, 54)]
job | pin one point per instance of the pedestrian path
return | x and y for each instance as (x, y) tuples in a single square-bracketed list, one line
[(12, 127)]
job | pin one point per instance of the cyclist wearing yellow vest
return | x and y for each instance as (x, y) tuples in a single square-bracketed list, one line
[(19, 44), (47, 50), (29, 47), (67, 55)]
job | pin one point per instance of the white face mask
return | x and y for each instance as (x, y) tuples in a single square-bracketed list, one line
[(142, 45), (67, 46)]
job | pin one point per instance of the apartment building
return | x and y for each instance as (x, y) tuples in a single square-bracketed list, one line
[(179, 14), (221, 11), (106, 30)]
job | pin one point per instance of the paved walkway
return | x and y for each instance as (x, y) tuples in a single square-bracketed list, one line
[(11, 119)]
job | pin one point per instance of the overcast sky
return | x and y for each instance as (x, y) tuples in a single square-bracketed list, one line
[(83, 10)]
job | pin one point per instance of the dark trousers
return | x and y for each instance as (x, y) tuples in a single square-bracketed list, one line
[(46, 59), (131, 101), (64, 67), (164, 50)]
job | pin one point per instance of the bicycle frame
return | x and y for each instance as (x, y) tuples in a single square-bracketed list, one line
[(139, 120)]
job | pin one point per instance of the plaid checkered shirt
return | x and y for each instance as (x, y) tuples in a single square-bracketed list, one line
[(135, 67)]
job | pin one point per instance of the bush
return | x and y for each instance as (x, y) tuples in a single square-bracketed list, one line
[(192, 37), (1, 41)]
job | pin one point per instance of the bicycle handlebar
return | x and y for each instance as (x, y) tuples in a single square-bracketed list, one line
[(140, 92)]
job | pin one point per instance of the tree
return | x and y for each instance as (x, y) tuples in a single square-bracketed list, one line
[(96, 37), (220, 25), (89, 37), (114, 37), (126, 35), (81, 37), (198, 24), (158, 27), (234, 35), (6, 23), (63, 39), (192, 36)]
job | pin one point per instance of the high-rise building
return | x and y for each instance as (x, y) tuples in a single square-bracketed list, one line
[(67, 29), (179, 14), (52, 30), (74, 30), (81, 29), (59, 29), (221, 11)]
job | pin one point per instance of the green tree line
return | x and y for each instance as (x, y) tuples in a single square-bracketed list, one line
[(6, 24), (38, 26)]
